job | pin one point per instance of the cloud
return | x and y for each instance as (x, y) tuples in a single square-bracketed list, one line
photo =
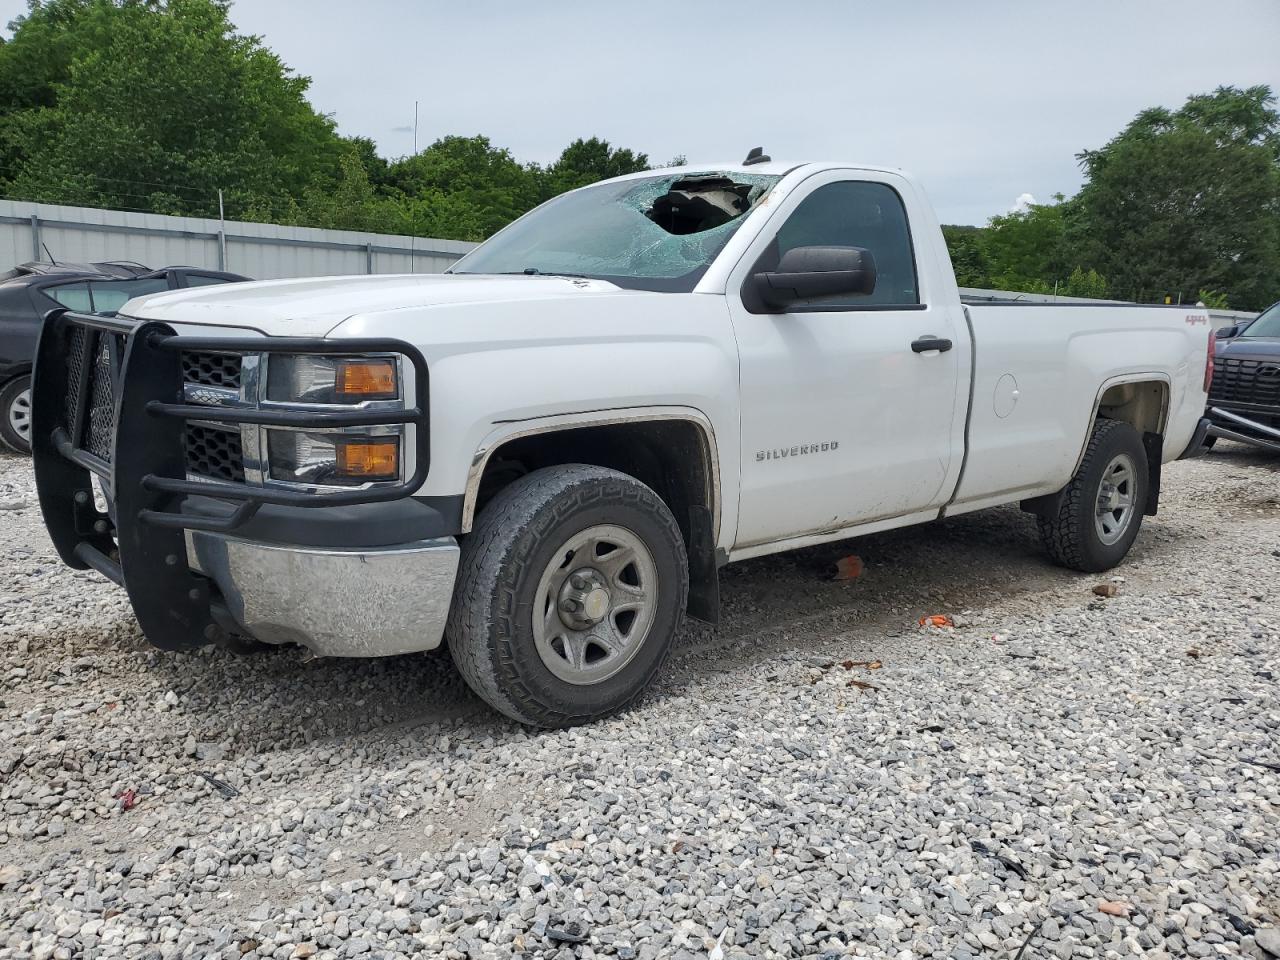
[(404, 129), (1024, 201)]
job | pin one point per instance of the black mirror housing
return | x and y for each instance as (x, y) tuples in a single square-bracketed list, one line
[(1226, 333), (807, 273)]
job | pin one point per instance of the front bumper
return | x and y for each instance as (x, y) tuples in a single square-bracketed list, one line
[(1242, 429), (365, 572), (369, 602)]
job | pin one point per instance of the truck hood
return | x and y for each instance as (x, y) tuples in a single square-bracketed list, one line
[(311, 307), (1250, 348)]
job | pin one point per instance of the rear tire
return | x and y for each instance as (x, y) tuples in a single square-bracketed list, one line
[(15, 414), (1100, 511), (570, 591)]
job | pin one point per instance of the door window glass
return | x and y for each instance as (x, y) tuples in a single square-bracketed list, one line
[(110, 295), (73, 296), (203, 280), (854, 213)]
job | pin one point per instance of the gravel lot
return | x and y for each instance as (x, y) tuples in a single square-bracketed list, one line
[(1055, 751)]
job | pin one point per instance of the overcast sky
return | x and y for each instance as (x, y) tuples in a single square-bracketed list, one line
[(985, 101)]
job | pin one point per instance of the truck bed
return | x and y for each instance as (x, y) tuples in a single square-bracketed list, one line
[(1040, 371)]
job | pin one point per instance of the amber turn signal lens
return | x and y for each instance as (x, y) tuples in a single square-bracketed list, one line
[(369, 459), (365, 380)]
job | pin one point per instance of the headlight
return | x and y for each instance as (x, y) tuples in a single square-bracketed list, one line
[(332, 458), (321, 379)]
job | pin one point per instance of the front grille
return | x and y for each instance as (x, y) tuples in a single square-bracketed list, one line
[(214, 453), (1245, 381), (99, 422), (212, 369)]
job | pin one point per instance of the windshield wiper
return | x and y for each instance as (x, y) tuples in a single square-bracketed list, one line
[(526, 272), (535, 272)]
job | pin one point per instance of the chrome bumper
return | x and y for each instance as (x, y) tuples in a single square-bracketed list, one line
[(371, 602)]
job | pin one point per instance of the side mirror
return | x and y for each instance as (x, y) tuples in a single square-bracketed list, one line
[(1227, 333), (805, 273)]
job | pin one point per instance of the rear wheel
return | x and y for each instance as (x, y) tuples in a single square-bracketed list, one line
[(570, 591), (1101, 509), (15, 414)]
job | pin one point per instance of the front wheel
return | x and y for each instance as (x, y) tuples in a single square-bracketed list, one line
[(570, 591), (15, 415), (1101, 509)]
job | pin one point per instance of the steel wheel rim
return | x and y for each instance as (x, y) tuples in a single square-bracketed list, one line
[(1114, 508), (20, 414), (595, 604)]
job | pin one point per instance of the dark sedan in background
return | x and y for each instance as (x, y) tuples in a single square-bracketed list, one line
[(1244, 402), (31, 290)]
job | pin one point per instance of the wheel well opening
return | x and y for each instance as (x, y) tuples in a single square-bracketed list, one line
[(672, 457), (1143, 405)]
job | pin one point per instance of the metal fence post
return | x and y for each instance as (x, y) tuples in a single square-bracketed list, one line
[(222, 235), (35, 236), (368, 258)]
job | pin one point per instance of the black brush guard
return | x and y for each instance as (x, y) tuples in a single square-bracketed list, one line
[(137, 450)]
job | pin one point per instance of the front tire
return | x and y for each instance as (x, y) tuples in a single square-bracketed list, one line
[(571, 588), (15, 414), (1100, 511)]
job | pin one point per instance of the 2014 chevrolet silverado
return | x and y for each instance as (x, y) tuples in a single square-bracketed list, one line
[(544, 455)]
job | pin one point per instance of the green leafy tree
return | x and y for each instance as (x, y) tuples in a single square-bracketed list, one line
[(1025, 249), (483, 186), (159, 104), (1085, 283), (968, 256), (156, 105), (1187, 200), (586, 161)]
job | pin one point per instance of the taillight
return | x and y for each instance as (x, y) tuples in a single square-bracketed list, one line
[(1210, 349)]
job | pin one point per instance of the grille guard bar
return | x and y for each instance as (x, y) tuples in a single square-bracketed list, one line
[(140, 542)]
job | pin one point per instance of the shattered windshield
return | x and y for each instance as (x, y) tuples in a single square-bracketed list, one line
[(655, 233)]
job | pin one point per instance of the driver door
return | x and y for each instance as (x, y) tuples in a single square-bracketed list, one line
[(845, 419)]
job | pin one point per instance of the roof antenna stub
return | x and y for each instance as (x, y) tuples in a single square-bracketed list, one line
[(756, 155)]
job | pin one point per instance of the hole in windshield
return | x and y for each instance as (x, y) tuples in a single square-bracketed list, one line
[(695, 204)]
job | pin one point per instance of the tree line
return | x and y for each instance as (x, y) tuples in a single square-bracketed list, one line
[(1182, 204), (157, 105)]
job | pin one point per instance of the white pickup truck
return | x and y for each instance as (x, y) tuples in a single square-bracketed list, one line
[(544, 455)]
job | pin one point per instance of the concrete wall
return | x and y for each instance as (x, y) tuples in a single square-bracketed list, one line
[(259, 250)]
